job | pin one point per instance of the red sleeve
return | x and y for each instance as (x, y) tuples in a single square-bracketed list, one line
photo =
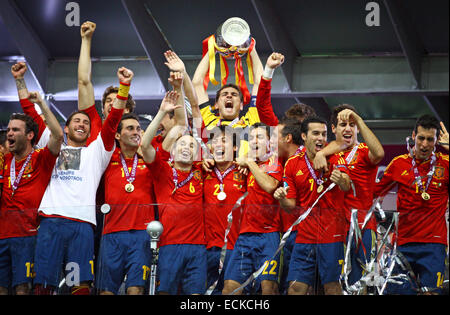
[(28, 109), (96, 123), (384, 185), (264, 103), (289, 179), (109, 128)]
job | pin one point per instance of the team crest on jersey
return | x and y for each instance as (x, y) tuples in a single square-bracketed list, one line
[(238, 177), (198, 175), (439, 172)]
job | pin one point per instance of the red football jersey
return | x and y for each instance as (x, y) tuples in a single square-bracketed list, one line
[(326, 222), (180, 212), (157, 145), (363, 174), (18, 213), (419, 220), (129, 211), (216, 211), (287, 219), (261, 210)]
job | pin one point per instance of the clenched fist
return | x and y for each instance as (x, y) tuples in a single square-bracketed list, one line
[(87, 29), (18, 70), (125, 75)]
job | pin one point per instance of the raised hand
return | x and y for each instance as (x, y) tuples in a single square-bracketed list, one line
[(176, 79), (443, 136), (18, 70), (125, 75), (168, 104), (347, 114), (173, 62), (275, 60), (87, 29)]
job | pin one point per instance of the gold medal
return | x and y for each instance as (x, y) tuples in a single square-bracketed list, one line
[(319, 189), (129, 188), (425, 196)]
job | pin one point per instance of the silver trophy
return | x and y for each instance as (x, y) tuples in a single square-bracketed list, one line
[(154, 229), (233, 35)]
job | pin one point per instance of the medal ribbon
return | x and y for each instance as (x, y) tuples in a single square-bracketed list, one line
[(319, 181), (130, 177), (418, 178), (300, 148), (184, 182), (220, 177), (12, 172)]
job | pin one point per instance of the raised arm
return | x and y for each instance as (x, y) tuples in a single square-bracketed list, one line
[(197, 80), (376, 151), (168, 104), (257, 70), (56, 132), (175, 64), (86, 96), (263, 99), (176, 80), (109, 127), (18, 71)]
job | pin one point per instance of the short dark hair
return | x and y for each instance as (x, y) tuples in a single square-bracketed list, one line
[(234, 86), (312, 119), (30, 125), (131, 104), (427, 122), (299, 111), (69, 119), (337, 110), (263, 126), (293, 127), (126, 117)]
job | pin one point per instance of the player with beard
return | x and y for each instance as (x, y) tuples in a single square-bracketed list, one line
[(321, 233), (125, 249), (67, 210), (422, 178), (26, 173)]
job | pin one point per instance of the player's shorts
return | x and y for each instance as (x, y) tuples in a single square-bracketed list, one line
[(328, 257), (250, 252), (182, 266), (213, 261), (16, 261), (63, 244), (427, 261), (123, 253), (364, 253)]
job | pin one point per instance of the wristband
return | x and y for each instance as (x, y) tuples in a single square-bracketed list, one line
[(268, 72), (124, 90)]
